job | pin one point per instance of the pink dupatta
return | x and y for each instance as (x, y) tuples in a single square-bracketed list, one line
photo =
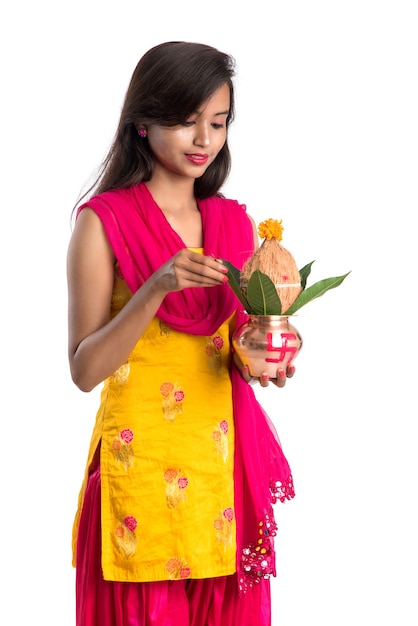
[(142, 240)]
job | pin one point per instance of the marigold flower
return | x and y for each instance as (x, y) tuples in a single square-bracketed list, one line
[(271, 229)]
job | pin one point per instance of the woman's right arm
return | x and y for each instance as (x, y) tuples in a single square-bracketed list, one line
[(97, 345)]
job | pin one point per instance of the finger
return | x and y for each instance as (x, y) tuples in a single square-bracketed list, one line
[(244, 369), (264, 379), (245, 372), (196, 276), (280, 381), (208, 260), (290, 370), (201, 269)]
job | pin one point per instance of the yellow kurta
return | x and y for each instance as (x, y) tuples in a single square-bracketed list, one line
[(166, 429)]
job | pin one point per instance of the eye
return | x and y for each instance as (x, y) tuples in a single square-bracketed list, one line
[(216, 125)]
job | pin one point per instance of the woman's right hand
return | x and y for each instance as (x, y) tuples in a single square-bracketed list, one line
[(189, 269)]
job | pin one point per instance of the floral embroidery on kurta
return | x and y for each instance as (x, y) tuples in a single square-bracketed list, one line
[(122, 448), (220, 438), (213, 352), (125, 535), (223, 526), (164, 329), (175, 491), (121, 375), (177, 568), (173, 397)]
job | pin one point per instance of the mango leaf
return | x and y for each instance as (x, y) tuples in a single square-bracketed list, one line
[(315, 291), (234, 282), (262, 295), (304, 274)]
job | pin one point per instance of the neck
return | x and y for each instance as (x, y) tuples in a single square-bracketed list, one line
[(171, 192), (180, 210)]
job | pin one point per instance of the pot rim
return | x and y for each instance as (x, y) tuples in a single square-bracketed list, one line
[(273, 317)]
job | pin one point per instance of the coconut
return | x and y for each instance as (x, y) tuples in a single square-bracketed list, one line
[(276, 262)]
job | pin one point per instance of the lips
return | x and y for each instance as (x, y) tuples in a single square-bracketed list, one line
[(197, 158)]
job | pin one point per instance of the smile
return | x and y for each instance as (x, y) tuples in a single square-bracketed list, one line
[(198, 159)]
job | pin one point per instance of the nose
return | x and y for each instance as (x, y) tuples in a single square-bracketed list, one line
[(202, 137)]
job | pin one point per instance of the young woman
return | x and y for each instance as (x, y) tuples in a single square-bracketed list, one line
[(175, 524)]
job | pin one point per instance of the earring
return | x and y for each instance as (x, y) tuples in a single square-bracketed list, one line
[(142, 132)]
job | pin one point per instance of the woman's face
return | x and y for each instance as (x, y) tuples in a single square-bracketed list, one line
[(188, 149)]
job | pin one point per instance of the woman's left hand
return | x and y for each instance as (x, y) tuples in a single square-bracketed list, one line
[(264, 379)]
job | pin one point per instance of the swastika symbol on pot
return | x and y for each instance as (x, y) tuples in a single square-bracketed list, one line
[(284, 349)]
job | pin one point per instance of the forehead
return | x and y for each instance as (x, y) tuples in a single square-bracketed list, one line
[(218, 102)]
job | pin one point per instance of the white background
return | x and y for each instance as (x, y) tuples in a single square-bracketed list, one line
[(326, 139)]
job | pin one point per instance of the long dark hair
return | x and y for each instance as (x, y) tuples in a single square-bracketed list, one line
[(168, 85)]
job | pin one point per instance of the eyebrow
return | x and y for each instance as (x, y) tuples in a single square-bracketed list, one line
[(199, 113)]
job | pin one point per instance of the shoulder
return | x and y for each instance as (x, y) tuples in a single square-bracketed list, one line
[(229, 204), (238, 212), (109, 200), (88, 238), (230, 209)]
